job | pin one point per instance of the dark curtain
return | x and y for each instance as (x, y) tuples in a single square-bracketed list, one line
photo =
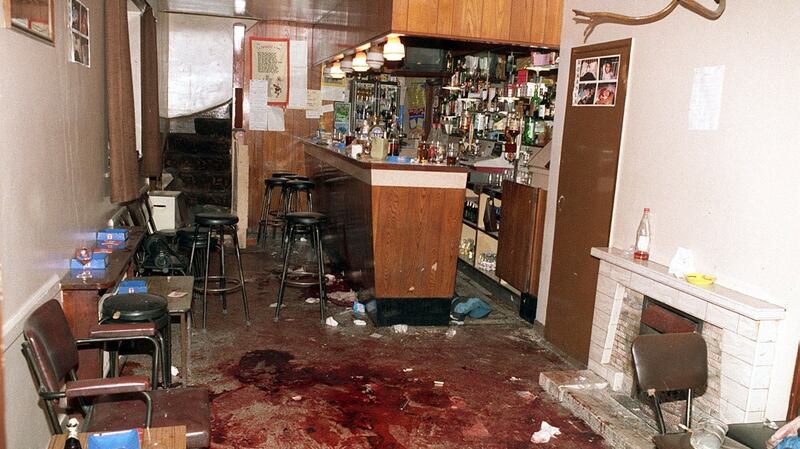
[(122, 155), (151, 137)]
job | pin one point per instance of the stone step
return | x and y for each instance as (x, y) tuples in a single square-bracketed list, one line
[(586, 395)]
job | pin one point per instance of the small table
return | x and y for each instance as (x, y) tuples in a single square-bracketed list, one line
[(166, 437), (181, 307)]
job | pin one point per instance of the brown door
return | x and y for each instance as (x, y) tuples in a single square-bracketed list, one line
[(586, 182)]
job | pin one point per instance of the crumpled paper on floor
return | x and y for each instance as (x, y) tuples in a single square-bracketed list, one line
[(545, 433)]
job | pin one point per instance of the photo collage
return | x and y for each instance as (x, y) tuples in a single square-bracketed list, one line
[(79, 30), (596, 81)]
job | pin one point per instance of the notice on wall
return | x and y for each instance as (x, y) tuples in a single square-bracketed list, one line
[(270, 60), (313, 103), (275, 119), (596, 81), (298, 74), (258, 105), (333, 89), (704, 105)]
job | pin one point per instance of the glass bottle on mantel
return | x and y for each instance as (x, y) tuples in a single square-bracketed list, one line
[(642, 248), (72, 441)]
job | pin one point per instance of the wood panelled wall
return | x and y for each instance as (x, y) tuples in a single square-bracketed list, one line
[(360, 21), (515, 21), (271, 151)]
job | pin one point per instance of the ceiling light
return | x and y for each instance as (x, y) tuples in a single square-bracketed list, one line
[(375, 57), (360, 62), (394, 50), (347, 64), (240, 7), (336, 71)]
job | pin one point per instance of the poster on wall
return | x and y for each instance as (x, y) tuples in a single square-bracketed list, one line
[(333, 89), (269, 60), (341, 116), (78, 16), (596, 81)]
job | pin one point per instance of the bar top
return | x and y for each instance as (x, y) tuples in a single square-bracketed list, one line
[(383, 165)]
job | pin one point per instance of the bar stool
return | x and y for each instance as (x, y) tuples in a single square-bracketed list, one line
[(140, 308), (282, 174), (219, 222), (185, 240), (312, 222), (296, 178), (269, 217), (294, 189)]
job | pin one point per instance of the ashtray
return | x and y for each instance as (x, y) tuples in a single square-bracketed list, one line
[(700, 279), (123, 439)]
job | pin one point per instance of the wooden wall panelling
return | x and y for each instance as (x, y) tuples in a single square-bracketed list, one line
[(521, 17), (467, 17), (538, 21), (423, 15), (496, 19), (552, 25), (360, 21), (444, 22), (400, 15)]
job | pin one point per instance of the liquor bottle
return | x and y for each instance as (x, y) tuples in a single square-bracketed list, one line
[(528, 129), (642, 247), (72, 441)]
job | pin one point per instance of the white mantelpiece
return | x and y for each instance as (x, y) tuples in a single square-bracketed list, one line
[(740, 329)]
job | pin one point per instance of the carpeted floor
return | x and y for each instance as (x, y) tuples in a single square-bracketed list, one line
[(300, 384)]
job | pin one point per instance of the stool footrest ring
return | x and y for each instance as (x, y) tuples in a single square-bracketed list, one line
[(236, 284)]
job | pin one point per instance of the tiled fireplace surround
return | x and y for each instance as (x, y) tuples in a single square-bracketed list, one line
[(740, 332)]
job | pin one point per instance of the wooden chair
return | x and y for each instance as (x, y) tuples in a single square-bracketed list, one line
[(106, 404)]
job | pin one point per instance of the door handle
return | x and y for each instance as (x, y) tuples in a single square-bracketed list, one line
[(558, 203)]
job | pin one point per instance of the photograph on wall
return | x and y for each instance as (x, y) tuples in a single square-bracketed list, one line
[(341, 116), (79, 32), (596, 81), (269, 60)]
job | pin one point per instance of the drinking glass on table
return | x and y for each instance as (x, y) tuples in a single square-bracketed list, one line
[(84, 256)]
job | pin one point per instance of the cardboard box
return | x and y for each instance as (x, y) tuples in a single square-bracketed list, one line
[(126, 287), (99, 262), (112, 234)]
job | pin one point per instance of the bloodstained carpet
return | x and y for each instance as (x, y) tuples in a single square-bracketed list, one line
[(301, 384)]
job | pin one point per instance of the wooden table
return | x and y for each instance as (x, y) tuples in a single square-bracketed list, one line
[(82, 296), (166, 437), (180, 307)]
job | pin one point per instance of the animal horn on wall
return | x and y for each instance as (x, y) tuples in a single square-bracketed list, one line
[(592, 19)]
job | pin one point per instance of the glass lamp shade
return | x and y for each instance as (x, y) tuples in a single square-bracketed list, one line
[(375, 58), (394, 50), (336, 71), (360, 62), (347, 64)]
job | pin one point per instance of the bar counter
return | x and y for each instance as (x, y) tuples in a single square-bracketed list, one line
[(393, 229)]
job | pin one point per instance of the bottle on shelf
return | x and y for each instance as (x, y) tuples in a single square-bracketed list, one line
[(72, 441), (642, 246)]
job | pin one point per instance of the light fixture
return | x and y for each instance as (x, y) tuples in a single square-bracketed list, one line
[(375, 57), (240, 7), (360, 62), (394, 50), (347, 64), (336, 71)]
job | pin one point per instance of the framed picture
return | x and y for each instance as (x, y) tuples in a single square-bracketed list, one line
[(78, 16), (596, 81), (34, 17), (341, 116), (269, 60)]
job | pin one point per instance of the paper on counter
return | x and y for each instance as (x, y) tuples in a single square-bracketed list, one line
[(258, 105)]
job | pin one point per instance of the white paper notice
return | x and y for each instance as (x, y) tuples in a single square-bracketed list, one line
[(275, 120), (334, 93), (326, 108), (258, 105), (298, 74), (313, 113), (706, 98)]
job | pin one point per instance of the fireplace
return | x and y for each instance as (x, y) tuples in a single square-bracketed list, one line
[(740, 331)]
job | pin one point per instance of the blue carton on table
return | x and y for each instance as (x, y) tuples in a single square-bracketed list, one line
[(126, 287), (112, 234), (99, 262), (125, 439)]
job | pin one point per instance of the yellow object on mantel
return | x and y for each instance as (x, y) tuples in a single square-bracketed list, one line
[(700, 279)]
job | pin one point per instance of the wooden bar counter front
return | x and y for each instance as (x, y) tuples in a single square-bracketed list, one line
[(394, 229)]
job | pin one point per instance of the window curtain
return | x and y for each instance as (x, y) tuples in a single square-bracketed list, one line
[(122, 154), (151, 136)]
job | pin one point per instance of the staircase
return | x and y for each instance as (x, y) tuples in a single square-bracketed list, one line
[(198, 156)]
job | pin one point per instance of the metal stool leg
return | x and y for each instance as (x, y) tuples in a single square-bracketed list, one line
[(320, 272), (262, 221), (241, 274), (310, 201), (222, 283), (205, 278), (290, 235)]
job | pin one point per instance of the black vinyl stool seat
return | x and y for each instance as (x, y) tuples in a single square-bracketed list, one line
[(294, 189), (142, 308), (219, 223), (311, 223), (270, 217), (282, 174), (296, 178)]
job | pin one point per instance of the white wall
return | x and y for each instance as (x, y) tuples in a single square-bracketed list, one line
[(729, 194), (200, 62), (52, 188)]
